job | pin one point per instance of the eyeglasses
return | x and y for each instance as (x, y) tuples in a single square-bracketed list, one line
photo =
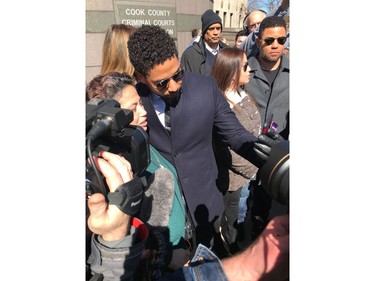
[(270, 40), (162, 85), (245, 67)]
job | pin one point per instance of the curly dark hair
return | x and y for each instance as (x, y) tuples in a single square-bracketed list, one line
[(150, 45), (270, 22)]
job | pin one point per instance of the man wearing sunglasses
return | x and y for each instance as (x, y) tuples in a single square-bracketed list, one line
[(253, 21), (269, 86), (196, 108)]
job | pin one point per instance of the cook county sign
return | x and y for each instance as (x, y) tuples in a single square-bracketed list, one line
[(137, 15)]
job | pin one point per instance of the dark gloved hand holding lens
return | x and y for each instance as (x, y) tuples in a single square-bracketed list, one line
[(273, 151)]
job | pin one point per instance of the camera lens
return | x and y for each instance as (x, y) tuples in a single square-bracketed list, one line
[(274, 173)]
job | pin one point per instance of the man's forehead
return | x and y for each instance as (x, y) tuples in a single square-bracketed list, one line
[(274, 30), (164, 70), (256, 16), (215, 25)]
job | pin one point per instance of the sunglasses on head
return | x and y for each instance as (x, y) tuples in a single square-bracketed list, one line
[(162, 85), (280, 40)]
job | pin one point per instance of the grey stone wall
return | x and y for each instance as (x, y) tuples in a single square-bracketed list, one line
[(100, 14)]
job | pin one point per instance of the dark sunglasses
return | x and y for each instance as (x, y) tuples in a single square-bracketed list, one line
[(162, 85), (280, 40), (245, 67)]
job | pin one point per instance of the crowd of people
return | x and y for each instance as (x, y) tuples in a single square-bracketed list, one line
[(204, 114)]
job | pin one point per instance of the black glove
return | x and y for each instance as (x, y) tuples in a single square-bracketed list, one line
[(264, 144)]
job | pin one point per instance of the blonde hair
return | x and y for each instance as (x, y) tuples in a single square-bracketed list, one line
[(115, 56)]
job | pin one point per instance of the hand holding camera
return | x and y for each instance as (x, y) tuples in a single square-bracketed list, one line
[(107, 219), (109, 137), (108, 129)]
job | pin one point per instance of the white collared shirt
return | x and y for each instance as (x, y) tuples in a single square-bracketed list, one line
[(235, 96), (159, 106), (213, 51)]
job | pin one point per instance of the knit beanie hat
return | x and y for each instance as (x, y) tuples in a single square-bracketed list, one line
[(208, 18)]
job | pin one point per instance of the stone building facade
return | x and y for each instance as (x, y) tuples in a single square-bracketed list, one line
[(178, 17), (232, 12)]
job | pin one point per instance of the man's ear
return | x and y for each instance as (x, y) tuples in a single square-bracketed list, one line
[(140, 77)]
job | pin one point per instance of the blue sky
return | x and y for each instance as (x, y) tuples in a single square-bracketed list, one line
[(261, 4)]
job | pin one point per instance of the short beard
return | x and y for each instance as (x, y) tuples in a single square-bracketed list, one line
[(267, 59)]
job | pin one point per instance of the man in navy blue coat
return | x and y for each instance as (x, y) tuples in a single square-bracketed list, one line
[(194, 108)]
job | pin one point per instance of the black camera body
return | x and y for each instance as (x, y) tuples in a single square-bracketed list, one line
[(116, 135)]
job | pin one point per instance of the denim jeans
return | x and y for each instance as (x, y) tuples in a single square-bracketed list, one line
[(245, 192), (205, 265)]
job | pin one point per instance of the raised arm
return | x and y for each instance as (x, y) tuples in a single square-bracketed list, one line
[(107, 219), (119, 239)]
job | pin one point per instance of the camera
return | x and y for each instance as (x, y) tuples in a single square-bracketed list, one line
[(108, 128), (274, 174)]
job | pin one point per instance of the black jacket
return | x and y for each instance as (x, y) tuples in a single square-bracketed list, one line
[(194, 57)]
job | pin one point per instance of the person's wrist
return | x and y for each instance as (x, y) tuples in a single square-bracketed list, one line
[(118, 233), (114, 236), (244, 266), (253, 262)]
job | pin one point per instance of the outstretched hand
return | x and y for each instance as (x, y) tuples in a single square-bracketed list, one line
[(266, 259), (108, 220), (273, 247)]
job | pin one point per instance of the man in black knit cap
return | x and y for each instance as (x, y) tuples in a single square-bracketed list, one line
[(199, 57)]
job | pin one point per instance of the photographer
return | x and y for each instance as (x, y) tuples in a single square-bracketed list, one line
[(116, 252), (162, 209), (112, 227)]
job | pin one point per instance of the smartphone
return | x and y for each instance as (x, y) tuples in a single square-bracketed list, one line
[(269, 127)]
